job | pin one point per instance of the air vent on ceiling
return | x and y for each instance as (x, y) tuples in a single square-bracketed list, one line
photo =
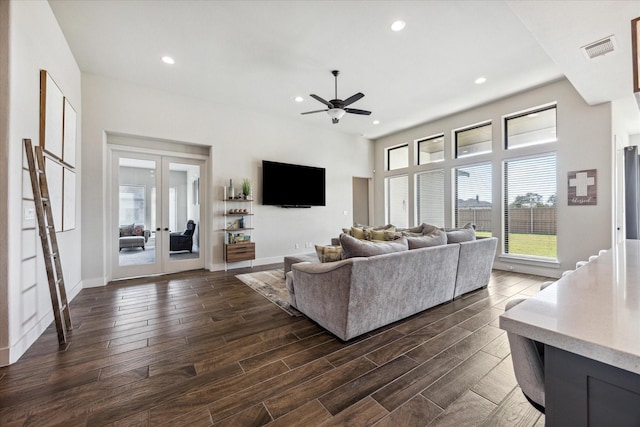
[(599, 48)]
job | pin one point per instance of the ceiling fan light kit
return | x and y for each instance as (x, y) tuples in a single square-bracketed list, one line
[(336, 107)]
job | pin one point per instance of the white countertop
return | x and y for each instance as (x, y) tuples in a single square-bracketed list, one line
[(593, 312)]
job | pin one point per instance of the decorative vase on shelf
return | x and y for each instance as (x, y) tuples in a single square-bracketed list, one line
[(230, 192)]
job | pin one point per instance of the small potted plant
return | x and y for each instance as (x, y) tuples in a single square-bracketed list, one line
[(246, 188)]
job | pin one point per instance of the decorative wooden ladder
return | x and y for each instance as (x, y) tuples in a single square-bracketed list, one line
[(49, 240)]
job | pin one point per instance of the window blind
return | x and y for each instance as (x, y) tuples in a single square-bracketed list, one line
[(473, 197), (530, 195), (398, 200), (430, 197)]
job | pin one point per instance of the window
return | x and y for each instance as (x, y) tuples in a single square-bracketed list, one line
[(132, 206), (430, 197), (398, 157), (531, 128), (473, 198), (473, 141), (397, 199), (530, 206), (431, 150)]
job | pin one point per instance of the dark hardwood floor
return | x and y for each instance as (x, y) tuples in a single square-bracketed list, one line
[(201, 348)]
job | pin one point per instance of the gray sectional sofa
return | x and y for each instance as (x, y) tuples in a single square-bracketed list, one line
[(357, 295)]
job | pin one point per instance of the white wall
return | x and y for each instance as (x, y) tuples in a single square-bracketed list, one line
[(239, 141), (35, 42), (584, 142)]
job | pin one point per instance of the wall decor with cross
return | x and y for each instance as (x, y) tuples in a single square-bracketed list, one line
[(582, 187)]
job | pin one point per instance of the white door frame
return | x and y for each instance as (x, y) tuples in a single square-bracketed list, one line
[(163, 263)]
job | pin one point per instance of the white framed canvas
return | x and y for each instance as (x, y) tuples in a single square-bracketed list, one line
[(69, 200), (69, 134), (51, 115), (54, 175)]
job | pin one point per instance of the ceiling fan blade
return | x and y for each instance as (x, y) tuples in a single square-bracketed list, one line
[(356, 111), (317, 98), (352, 99), (316, 111)]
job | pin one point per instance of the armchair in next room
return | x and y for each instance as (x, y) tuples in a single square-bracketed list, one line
[(183, 241)]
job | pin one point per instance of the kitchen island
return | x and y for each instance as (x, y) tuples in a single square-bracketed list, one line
[(589, 322)]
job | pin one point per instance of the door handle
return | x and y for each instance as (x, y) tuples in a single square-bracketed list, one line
[(166, 229), (158, 229)]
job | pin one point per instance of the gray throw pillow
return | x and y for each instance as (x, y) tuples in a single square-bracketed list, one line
[(459, 235), (352, 247), (435, 238)]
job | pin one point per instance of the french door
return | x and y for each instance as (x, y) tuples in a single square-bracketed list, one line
[(156, 215)]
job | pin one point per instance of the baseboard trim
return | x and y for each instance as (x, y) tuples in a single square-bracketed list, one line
[(96, 282), (245, 264)]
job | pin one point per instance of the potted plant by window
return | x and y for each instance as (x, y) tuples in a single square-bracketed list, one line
[(246, 188)]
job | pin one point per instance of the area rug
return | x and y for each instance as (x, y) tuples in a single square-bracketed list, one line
[(271, 285)]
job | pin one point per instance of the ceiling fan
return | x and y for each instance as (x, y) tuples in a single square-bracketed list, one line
[(337, 106)]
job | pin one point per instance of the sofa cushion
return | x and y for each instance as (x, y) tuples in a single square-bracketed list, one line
[(126, 230), (435, 238), (459, 235), (352, 247), (329, 253)]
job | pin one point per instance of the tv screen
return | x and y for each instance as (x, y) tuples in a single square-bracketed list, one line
[(289, 185)]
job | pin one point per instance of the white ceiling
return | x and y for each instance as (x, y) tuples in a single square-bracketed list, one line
[(261, 54)]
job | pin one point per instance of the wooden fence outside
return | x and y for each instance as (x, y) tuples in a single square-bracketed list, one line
[(521, 220)]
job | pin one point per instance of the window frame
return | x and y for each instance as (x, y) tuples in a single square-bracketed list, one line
[(426, 139), (505, 209), (468, 128), (454, 193), (539, 109), (417, 175), (388, 156), (387, 193)]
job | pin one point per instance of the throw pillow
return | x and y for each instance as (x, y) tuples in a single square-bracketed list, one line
[(138, 230), (417, 230), (382, 235), (358, 233), (428, 228), (352, 247), (435, 238), (459, 235), (329, 253)]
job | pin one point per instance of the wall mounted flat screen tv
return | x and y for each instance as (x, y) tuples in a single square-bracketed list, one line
[(290, 185)]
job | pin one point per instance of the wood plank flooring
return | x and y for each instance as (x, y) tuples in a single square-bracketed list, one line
[(201, 348)]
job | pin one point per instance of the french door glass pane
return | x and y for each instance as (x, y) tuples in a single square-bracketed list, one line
[(473, 197), (136, 209), (398, 200), (184, 211), (430, 197)]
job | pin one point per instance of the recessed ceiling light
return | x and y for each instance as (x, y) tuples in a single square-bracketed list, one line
[(168, 60), (398, 25), (298, 99), (480, 80), (376, 122)]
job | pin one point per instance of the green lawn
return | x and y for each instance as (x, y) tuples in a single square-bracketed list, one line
[(529, 244)]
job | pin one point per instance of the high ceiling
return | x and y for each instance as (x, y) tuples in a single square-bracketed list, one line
[(260, 55)]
